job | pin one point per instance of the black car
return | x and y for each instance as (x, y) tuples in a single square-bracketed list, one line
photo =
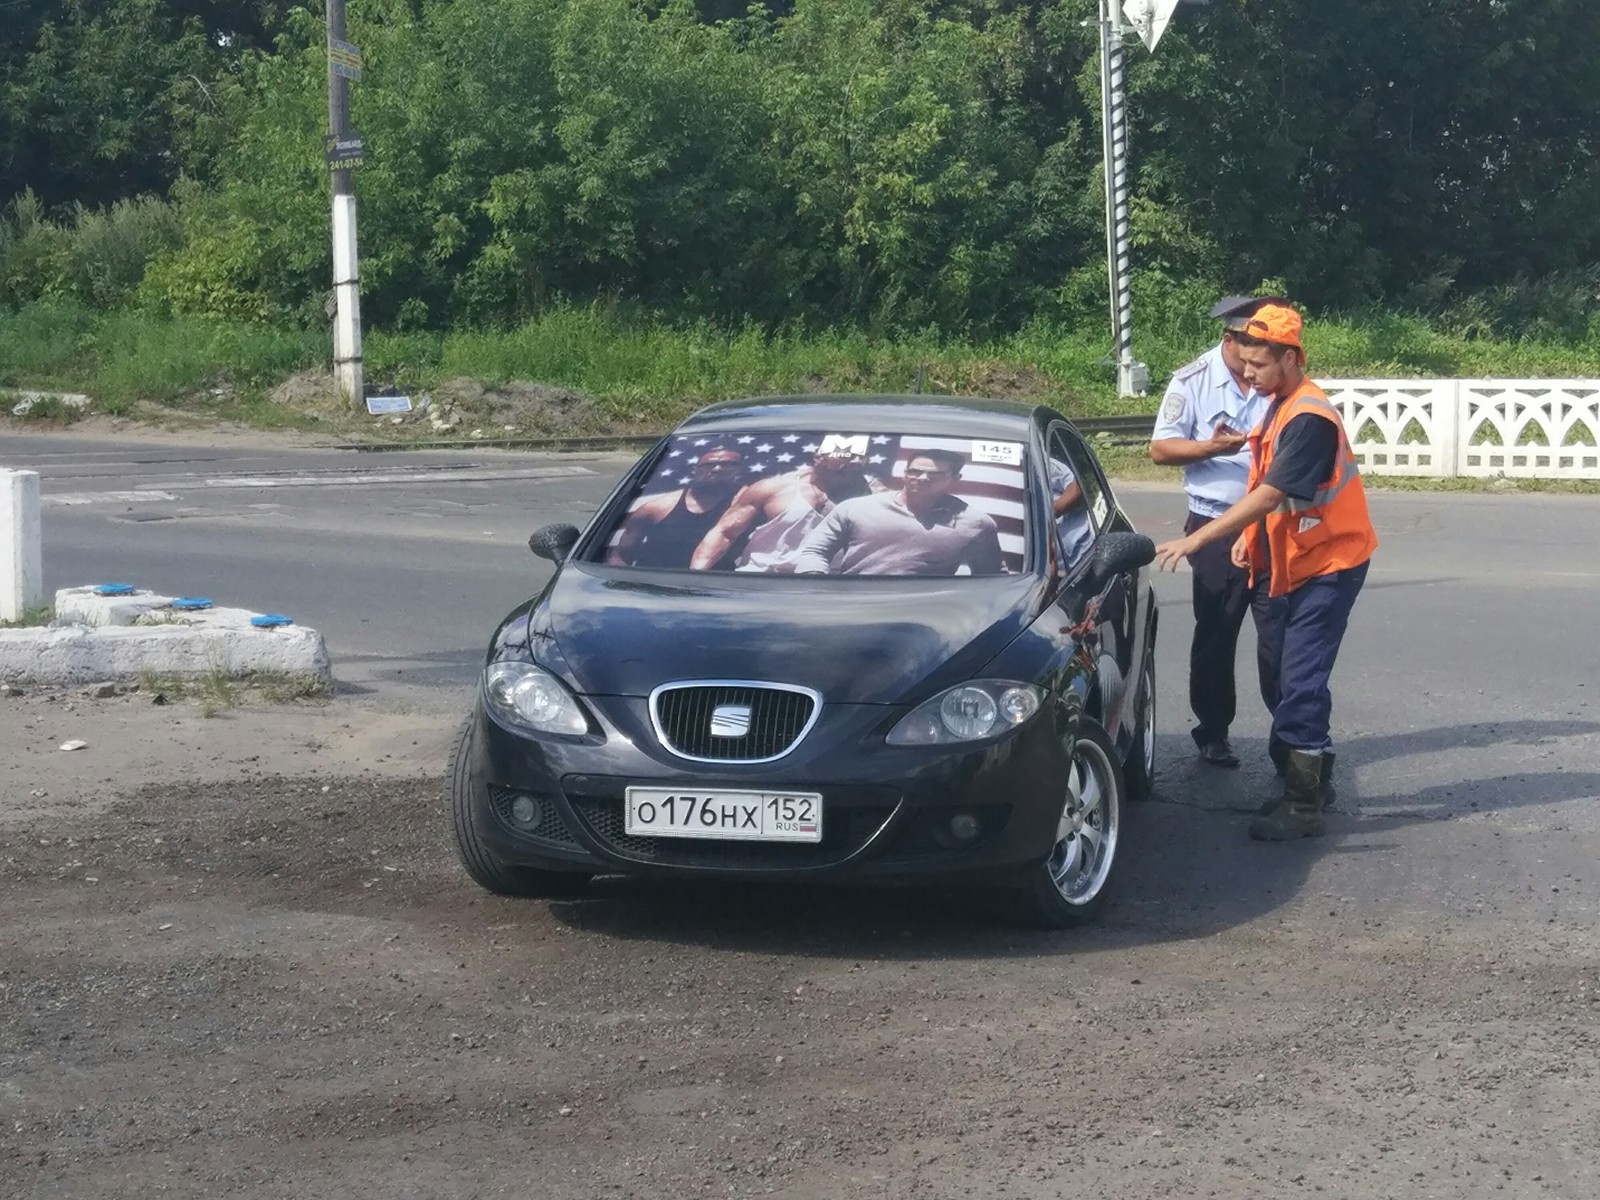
[(832, 638)]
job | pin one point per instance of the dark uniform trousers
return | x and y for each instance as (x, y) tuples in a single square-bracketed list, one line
[(1222, 596), (1299, 638)]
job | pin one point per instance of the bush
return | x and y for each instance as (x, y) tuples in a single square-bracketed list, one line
[(93, 258)]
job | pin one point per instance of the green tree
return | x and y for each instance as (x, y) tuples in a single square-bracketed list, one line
[(96, 95)]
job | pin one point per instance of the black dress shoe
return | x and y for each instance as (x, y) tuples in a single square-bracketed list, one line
[(1219, 754)]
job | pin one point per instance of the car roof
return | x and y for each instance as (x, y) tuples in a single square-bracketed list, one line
[(950, 416)]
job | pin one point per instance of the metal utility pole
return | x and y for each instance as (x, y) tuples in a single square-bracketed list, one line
[(343, 152), (1133, 378), (1149, 20)]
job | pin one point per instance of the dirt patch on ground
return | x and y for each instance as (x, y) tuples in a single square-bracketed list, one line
[(250, 965), (313, 392), (522, 407), (455, 408)]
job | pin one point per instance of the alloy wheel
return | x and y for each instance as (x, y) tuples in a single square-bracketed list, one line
[(1091, 818)]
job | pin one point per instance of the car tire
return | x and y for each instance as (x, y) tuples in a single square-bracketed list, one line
[(1066, 889), (469, 809), (1139, 769)]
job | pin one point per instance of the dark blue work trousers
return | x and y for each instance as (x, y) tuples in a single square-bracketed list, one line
[(1222, 596), (1300, 633)]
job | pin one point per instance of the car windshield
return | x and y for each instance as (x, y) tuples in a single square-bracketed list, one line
[(814, 502)]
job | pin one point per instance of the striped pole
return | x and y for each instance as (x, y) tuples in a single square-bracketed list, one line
[(1132, 377)]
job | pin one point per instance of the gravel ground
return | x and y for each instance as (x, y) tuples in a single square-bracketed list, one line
[(233, 982)]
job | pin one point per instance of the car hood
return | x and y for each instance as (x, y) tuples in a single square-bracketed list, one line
[(861, 641)]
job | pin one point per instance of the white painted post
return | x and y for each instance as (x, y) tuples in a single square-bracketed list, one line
[(347, 363), (1449, 416), (21, 562)]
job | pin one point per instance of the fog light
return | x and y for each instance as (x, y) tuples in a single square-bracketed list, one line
[(964, 827), (525, 811)]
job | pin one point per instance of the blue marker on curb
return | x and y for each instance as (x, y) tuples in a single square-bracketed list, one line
[(271, 620), (191, 603), (114, 589)]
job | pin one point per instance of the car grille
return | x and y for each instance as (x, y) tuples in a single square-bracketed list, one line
[(778, 719), (851, 818)]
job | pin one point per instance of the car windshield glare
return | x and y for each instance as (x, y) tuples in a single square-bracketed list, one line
[(815, 502)]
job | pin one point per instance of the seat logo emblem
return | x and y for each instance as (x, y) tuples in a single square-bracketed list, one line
[(730, 720)]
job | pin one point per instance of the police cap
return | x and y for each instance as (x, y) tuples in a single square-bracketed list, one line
[(1234, 311)]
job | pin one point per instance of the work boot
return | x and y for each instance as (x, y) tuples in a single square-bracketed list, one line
[(1299, 813), (1328, 794)]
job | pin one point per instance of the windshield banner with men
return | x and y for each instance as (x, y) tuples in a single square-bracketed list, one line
[(829, 504)]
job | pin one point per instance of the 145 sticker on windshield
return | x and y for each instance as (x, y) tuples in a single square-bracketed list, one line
[(1005, 454)]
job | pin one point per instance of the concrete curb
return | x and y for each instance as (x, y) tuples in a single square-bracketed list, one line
[(98, 638)]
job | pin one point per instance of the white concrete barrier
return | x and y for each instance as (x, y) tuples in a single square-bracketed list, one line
[(21, 562), (98, 638)]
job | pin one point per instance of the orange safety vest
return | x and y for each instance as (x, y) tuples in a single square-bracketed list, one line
[(1327, 533)]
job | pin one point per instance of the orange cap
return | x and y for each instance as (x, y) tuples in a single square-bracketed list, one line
[(1276, 323)]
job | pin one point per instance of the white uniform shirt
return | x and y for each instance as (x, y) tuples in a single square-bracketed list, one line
[(1200, 397)]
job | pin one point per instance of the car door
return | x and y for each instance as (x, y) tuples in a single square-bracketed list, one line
[(1101, 613)]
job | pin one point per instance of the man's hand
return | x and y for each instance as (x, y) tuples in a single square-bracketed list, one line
[(1170, 554), (1225, 440), (1240, 553)]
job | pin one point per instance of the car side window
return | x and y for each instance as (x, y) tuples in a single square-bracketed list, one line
[(1077, 497)]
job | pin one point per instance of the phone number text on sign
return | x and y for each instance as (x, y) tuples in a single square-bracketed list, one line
[(750, 816)]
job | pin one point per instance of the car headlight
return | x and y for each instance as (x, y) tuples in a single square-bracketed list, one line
[(968, 712), (522, 694)]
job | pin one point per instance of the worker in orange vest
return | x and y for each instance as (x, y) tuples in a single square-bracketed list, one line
[(1303, 527)]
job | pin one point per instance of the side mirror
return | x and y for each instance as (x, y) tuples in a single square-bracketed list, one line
[(555, 542), (1115, 553)]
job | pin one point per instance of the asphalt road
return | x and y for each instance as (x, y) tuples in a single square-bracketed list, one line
[(1404, 1007), (1467, 681), (404, 562)]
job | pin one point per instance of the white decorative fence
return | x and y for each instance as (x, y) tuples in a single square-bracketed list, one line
[(1528, 428)]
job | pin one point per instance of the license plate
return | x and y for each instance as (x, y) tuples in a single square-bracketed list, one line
[(740, 816)]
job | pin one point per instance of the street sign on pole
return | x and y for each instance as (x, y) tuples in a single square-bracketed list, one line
[(344, 60), (343, 152), (1149, 18)]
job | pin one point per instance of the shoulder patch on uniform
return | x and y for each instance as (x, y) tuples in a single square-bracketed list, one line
[(1172, 407), (1190, 371)]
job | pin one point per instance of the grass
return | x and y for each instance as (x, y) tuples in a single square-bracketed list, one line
[(215, 691), (32, 618), (120, 358), (645, 376)]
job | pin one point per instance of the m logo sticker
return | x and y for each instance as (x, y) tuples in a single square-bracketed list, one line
[(730, 720)]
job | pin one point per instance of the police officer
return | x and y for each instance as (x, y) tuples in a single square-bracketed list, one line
[(1206, 418), (1303, 527)]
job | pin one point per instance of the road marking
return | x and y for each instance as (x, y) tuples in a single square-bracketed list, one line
[(73, 498), (423, 475), (400, 478)]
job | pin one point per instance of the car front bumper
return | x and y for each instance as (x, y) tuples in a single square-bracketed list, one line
[(887, 811)]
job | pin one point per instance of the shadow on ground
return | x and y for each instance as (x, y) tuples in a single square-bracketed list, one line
[(1187, 869)]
